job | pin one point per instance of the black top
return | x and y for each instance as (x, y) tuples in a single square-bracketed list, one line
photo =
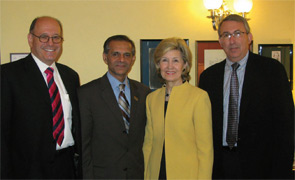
[(162, 174)]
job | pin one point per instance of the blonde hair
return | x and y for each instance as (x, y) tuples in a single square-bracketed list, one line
[(169, 44)]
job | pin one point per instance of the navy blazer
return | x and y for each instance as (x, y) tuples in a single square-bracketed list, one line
[(27, 145), (266, 124)]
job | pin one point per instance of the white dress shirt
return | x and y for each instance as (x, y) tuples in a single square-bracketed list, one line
[(65, 101)]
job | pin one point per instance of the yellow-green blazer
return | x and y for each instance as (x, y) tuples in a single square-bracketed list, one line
[(186, 129)]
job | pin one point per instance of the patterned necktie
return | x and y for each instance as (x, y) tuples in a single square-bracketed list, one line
[(57, 111), (232, 124), (124, 106)]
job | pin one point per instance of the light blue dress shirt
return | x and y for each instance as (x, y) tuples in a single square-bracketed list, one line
[(226, 88), (115, 86)]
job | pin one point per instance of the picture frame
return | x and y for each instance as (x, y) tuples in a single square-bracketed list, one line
[(207, 54), (17, 56), (148, 70), (281, 52)]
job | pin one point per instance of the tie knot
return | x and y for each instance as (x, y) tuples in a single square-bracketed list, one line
[(235, 66), (49, 70), (122, 87)]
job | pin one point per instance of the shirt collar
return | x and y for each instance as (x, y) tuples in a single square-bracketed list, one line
[(242, 62), (115, 82), (42, 66)]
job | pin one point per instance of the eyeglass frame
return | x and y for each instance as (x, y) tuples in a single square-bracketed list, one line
[(236, 34), (48, 37)]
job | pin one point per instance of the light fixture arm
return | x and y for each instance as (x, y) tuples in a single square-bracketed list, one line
[(218, 14), (215, 18)]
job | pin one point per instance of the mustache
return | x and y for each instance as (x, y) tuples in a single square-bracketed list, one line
[(120, 63)]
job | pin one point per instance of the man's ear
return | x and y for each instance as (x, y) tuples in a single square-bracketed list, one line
[(133, 59), (250, 38), (30, 40), (220, 42), (105, 58)]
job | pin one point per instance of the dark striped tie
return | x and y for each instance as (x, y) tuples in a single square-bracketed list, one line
[(57, 111), (232, 124), (124, 106)]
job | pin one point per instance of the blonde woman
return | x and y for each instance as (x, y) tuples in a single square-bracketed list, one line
[(178, 138)]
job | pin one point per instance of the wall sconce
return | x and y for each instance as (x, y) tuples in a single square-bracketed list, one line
[(219, 10)]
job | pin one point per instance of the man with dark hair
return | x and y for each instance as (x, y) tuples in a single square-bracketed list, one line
[(113, 117), (39, 109), (252, 109)]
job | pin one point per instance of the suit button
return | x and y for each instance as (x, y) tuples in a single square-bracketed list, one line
[(125, 169)]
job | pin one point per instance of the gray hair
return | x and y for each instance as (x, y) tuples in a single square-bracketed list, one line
[(237, 18)]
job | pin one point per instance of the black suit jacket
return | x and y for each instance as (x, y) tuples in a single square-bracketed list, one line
[(27, 145), (107, 151), (266, 124)]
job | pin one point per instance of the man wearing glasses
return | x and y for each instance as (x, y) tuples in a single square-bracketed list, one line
[(252, 109), (39, 109)]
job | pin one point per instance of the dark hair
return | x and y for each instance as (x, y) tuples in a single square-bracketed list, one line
[(169, 44), (237, 18), (37, 18), (106, 44)]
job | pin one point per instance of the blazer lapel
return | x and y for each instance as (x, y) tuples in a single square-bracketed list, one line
[(219, 99), (134, 102), (249, 84), (66, 80), (71, 88), (36, 79), (110, 100)]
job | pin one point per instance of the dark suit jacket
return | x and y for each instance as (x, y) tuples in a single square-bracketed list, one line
[(107, 151), (266, 129), (27, 145)]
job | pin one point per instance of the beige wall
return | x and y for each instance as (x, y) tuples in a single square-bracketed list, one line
[(88, 23)]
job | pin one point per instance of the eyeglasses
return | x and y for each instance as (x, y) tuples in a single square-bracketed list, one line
[(236, 34), (45, 38)]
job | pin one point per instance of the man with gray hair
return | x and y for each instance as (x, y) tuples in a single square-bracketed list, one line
[(252, 109)]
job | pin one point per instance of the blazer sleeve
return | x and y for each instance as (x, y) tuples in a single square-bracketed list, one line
[(283, 111), (86, 133), (6, 119), (147, 145), (204, 138)]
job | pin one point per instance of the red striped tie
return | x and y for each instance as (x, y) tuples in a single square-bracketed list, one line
[(57, 112)]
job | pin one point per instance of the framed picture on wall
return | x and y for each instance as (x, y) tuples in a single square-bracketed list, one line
[(148, 70), (207, 53), (17, 56), (281, 52)]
